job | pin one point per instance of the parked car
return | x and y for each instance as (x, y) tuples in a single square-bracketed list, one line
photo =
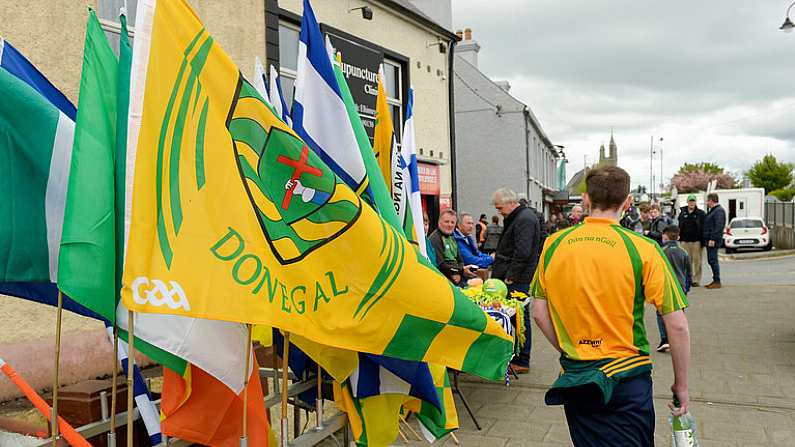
[(747, 232)]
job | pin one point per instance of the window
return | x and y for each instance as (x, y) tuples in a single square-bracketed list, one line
[(393, 84), (747, 223), (108, 14), (288, 59)]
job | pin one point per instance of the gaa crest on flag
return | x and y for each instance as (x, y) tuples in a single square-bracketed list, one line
[(299, 202)]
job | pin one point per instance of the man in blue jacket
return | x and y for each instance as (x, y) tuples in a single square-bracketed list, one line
[(467, 246), (714, 225)]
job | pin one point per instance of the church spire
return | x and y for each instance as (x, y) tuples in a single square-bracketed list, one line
[(613, 149), (602, 153)]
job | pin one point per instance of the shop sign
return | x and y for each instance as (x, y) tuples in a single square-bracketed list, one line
[(429, 178)]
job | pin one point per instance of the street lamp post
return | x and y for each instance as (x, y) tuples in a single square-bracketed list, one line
[(662, 181), (652, 183), (788, 26), (651, 167)]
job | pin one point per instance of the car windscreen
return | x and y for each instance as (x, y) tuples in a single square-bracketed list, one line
[(746, 223)]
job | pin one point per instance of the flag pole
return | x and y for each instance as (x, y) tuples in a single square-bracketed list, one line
[(114, 388), (244, 438), (319, 399), (56, 384), (130, 368), (285, 376)]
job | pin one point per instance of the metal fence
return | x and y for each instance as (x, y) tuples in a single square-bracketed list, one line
[(780, 214)]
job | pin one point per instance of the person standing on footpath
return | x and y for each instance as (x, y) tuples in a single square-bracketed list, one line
[(680, 263), (691, 236), (480, 231), (576, 215), (493, 233), (590, 286), (517, 256), (714, 225)]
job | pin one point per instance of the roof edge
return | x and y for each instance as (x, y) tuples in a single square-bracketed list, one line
[(419, 17)]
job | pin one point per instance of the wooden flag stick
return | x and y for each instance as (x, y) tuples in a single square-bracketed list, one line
[(414, 432), (457, 442), (319, 399), (114, 388), (285, 377), (244, 438), (56, 380), (403, 435), (130, 368)]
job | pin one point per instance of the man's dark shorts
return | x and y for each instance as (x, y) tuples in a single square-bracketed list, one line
[(627, 420)]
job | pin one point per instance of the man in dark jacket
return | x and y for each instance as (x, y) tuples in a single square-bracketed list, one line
[(691, 236), (714, 225), (517, 256)]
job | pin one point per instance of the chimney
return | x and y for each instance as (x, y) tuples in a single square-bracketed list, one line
[(468, 48), (505, 85)]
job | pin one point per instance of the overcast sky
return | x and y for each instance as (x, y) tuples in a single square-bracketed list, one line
[(715, 79)]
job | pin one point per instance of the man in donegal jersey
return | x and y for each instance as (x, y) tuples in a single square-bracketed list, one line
[(590, 286)]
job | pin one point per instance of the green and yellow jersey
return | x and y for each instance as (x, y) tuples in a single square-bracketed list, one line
[(596, 278)]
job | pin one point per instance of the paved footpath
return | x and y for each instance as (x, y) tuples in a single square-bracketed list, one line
[(742, 378)]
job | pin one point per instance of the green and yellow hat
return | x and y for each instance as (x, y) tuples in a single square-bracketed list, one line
[(495, 288)]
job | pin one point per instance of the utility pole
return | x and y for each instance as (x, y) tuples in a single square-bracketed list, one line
[(651, 167)]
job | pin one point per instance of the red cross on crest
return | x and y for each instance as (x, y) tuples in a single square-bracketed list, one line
[(300, 166)]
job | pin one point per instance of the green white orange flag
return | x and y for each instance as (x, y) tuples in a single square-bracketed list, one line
[(232, 217)]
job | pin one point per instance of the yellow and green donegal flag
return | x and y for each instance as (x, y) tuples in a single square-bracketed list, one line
[(231, 217)]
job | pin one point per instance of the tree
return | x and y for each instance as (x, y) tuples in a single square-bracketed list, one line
[(693, 177), (770, 174), (785, 194), (704, 166)]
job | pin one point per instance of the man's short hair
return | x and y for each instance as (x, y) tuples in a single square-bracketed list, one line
[(503, 196), (447, 212), (713, 196), (495, 220), (462, 215), (672, 231), (607, 187), (655, 206), (644, 208)]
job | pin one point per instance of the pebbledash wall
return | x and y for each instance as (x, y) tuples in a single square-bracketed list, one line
[(51, 33), (416, 51)]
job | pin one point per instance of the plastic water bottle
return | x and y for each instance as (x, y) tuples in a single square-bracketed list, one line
[(683, 429)]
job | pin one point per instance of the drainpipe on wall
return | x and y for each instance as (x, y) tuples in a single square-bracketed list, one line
[(526, 115), (451, 114)]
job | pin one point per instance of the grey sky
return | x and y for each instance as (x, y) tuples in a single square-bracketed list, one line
[(715, 79)]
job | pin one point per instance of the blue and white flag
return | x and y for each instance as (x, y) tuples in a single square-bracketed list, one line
[(277, 97), (318, 113), (412, 218), (143, 400)]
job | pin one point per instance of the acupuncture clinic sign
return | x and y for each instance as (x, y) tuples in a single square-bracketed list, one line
[(360, 67)]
